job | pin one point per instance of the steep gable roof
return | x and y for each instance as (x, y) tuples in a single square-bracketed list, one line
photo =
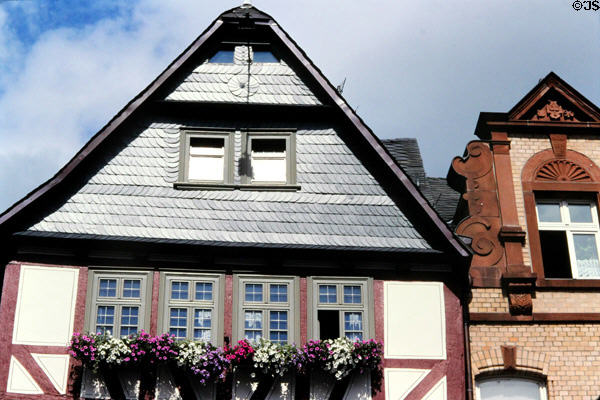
[(412, 199)]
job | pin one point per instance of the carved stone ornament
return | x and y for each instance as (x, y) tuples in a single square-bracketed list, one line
[(554, 112), (562, 171)]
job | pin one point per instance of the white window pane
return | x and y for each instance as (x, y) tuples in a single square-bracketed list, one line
[(207, 151), (586, 254), (509, 389), (272, 170), (580, 213), (549, 212), (206, 168)]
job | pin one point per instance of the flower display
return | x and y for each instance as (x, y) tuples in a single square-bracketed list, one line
[(203, 359), (339, 357)]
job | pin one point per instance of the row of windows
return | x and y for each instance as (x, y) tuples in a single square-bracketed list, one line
[(191, 306), (267, 158)]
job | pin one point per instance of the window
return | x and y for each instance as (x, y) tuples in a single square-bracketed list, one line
[(266, 308), (117, 302), (206, 158), (222, 57), (264, 56), (192, 306), (341, 307), (509, 388), (569, 238), (270, 158)]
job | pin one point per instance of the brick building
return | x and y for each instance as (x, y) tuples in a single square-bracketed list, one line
[(530, 187)]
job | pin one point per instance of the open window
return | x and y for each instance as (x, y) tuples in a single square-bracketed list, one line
[(569, 238), (341, 308)]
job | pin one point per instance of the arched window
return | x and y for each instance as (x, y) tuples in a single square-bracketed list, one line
[(510, 388)]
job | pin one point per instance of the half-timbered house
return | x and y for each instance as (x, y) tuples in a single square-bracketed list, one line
[(237, 196)]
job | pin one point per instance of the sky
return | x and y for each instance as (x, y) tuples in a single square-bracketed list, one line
[(422, 69)]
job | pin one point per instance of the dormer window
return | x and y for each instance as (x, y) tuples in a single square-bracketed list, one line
[(206, 158), (264, 56), (271, 158)]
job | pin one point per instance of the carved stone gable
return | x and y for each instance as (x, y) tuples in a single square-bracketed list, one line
[(554, 112), (562, 171)]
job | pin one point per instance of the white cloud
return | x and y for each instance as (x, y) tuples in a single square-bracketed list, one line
[(415, 69)]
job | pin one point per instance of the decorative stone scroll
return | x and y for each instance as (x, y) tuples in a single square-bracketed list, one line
[(483, 223), (563, 171), (554, 112)]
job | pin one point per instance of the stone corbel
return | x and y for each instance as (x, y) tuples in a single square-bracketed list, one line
[(519, 285)]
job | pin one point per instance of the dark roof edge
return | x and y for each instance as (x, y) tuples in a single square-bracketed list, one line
[(111, 126), (327, 87), (373, 140)]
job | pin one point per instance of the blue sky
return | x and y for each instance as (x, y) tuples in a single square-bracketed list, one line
[(414, 69)]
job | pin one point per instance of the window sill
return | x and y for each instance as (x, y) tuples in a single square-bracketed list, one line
[(568, 283), (229, 186)]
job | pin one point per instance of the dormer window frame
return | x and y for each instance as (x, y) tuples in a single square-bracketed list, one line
[(289, 135), (186, 138)]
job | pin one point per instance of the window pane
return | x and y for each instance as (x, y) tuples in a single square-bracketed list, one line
[(278, 326), (264, 57), (131, 288), (509, 388), (207, 159), (129, 320), (105, 319), (327, 294), (549, 212), (179, 290), (204, 291), (269, 160), (353, 325), (555, 254), (586, 254), (254, 292), (202, 324), (108, 288), (222, 56), (352, 295), (580, 213), (253, 325), (278, 294), (178, 322)]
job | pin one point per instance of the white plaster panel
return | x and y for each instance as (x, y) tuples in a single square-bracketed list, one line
[(56, 367), (20, 381), (414, 320), (438, 392), (45, 306), (399, 382)]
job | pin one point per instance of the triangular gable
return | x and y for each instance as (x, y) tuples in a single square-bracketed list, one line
[(554, 100), (242, 16)]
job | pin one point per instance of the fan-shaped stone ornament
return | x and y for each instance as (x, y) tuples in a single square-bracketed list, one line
[(243, 85), (562, 171)]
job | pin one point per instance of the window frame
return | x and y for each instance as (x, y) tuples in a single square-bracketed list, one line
[(289, 135), (292, 306), (366, 306), (185, 139), (542, 385), (570, 228), (93, 299), (217, 305)]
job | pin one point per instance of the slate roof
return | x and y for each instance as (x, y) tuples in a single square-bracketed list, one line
[(239, 82), (442, 197), (340, 204)]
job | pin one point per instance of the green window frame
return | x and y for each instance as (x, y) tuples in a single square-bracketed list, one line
[(348, 299), (266, 307), (192, 306), (288, 137), (118, 302), (187, 138)]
